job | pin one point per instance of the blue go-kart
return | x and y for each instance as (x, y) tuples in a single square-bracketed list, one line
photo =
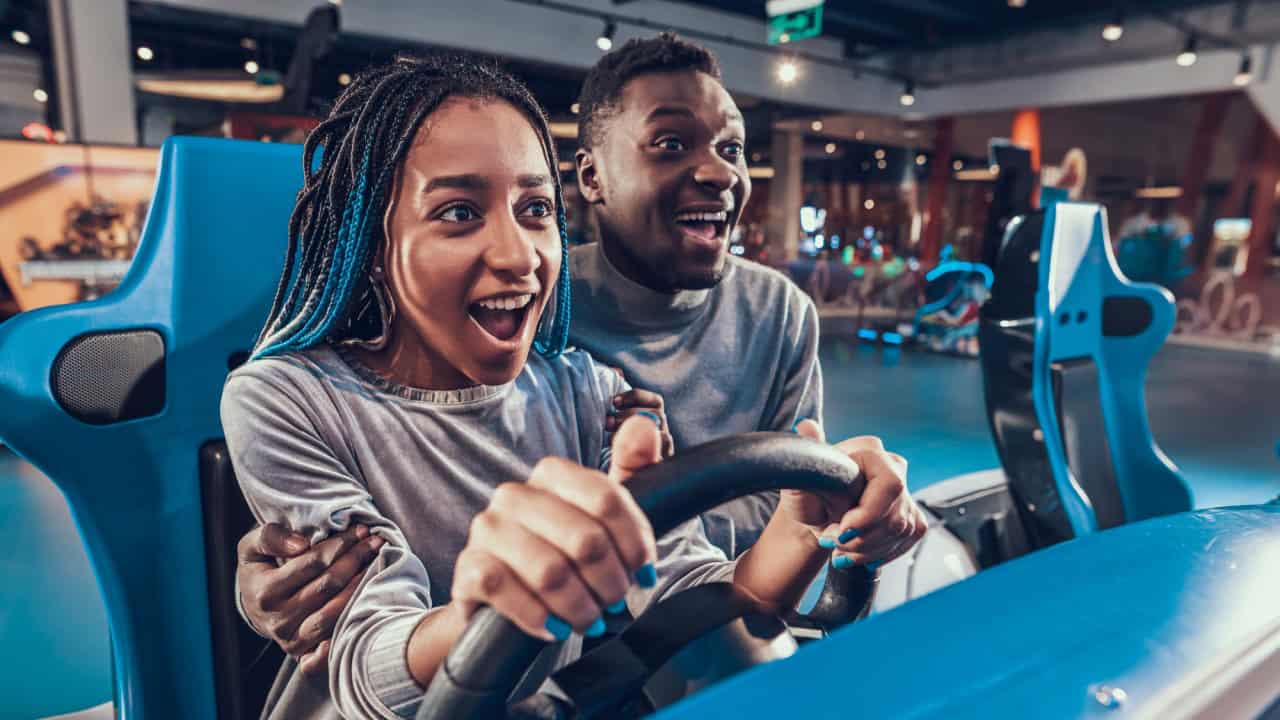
[(1074, 582)]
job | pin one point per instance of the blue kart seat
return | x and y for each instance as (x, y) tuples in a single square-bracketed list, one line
[(1065, 342), (116, 401)]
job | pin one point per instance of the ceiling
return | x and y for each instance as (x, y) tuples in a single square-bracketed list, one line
[(873, 26)]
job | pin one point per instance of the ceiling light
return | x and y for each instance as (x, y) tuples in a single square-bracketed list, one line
[(755, 157), (1017, 3), (40, 95), (248, 43), (251, 66), (344, 79), (1187, 57), (605, 41), (20, 37), (787, 72), (1114, 30), (957, 165), (882, 164), (908, 97), (145, 53), (1244, 75), (879, 153), (920, 159), (830, 148), (860, 135), (869, 204), (760, 173), (816, 125)]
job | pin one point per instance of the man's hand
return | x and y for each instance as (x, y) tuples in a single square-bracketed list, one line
[(884, 524), (293, 593), (635, 401)]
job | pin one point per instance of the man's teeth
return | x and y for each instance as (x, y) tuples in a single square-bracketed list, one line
[(506, 303), (721, 216)]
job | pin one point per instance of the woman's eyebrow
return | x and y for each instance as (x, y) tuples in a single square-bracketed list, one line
[(532, 181), (467, 181)]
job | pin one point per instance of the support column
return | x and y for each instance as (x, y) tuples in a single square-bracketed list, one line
[(785, 194), (1026, 133), (936, 191), (1233, 204), (1212, 111), (1263, 213), (95, 78)]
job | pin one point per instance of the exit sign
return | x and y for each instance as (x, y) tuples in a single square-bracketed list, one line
[(791, 20)]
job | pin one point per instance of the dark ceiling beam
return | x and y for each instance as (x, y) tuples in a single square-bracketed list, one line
[(934, 9), (859, 22), (785, 51)]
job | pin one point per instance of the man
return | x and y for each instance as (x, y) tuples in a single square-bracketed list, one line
[(732, 346)]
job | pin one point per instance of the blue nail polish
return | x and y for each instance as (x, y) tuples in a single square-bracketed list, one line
[(874, 565), (618, 607), (647, 576), (596, 629), (656, 420), (826, 543), (795, 426), (848, 535), (558, 628), (842, 562)]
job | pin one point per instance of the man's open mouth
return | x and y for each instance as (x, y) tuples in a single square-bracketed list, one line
[(706, 228)]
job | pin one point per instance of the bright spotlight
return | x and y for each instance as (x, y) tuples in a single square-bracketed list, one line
[(787, 72), (20, 37), (605, 41), (1187, 57), (816, 126), (830, 148), (1244, 75), (40, 95), (251, 66), (145, 53)]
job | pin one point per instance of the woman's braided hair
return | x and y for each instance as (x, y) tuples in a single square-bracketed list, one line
[(349, 165)]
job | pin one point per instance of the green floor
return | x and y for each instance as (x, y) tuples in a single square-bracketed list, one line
[(1217, 415)]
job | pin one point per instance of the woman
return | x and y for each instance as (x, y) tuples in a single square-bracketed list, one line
[(392, 386)]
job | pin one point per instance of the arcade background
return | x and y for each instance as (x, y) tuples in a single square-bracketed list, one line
[(857, 195)]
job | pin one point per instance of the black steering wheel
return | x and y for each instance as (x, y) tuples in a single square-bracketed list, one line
[(492, 655)]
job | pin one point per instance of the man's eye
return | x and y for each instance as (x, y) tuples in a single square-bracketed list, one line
[(670, 144), (459, 214)]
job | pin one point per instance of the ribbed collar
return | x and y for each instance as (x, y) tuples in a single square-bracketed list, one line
[(460, 396)]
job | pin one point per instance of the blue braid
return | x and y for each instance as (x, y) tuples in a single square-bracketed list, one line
[(553, 336), (352, 249)]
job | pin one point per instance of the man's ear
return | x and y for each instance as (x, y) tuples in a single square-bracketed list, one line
[(588, 177)]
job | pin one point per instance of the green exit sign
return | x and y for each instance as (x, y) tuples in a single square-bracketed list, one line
[(791, 20)]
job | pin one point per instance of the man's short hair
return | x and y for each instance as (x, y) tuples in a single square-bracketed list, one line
[(603, 87)]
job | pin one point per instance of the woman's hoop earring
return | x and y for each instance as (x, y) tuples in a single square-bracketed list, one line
[(386, 314)]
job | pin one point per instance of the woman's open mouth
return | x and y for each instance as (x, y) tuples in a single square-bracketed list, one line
[(501, 317)]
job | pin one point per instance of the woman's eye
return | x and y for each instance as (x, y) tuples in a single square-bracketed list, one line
[(539, 209), (732, 150), (459, 214), (671, 144)]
